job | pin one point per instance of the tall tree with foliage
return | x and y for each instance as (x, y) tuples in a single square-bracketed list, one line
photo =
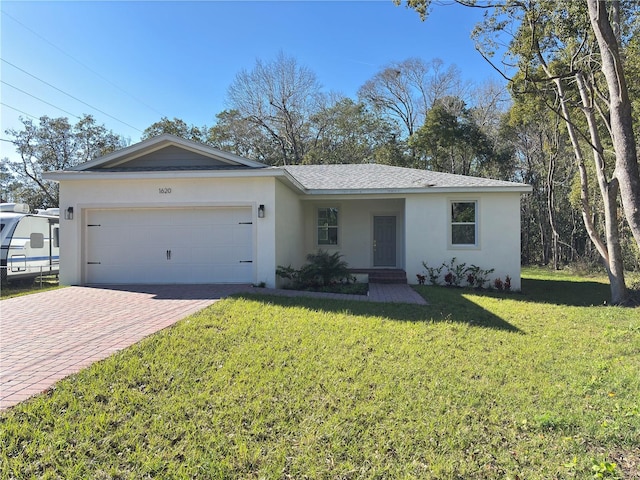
[(235, 133), (177, 127), (347, 132), (454, 143), (576, 48), (552, 232), (9, 185), (56, 144)]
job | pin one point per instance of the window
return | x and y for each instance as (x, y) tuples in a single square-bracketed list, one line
[(56, 237), (463, 223), (36, 240), (328, 226)]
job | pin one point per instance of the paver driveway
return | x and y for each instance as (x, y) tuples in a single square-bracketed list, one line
[(46, 336)]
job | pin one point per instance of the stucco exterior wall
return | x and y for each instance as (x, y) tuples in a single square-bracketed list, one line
[(178, 192), (428, 234), (355, 224), (289, 230), (289, 227)]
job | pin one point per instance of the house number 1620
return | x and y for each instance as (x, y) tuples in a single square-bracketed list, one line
[(164, 190)]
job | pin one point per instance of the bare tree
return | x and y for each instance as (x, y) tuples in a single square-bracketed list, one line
[(279, 97), (406, 90)]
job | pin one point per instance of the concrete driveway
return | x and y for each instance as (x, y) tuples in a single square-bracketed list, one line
[(47, 336)]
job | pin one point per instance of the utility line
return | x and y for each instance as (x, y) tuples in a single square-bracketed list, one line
[(19, 111), (38, 98), (85, 66), (69, 95)]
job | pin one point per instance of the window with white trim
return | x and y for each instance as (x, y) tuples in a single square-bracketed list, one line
[(464, 231), (327, 226)]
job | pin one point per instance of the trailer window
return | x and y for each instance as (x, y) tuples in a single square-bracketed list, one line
[(56, 237), (36, 240)]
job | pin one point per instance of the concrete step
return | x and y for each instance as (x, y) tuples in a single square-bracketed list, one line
[(384, 275)]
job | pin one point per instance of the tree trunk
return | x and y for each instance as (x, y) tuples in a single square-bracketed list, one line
[(555, 254), (609, 192), (610, 252), (626, 170)]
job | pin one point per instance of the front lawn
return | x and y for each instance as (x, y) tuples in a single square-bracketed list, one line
[(533, 385), (28, 287)]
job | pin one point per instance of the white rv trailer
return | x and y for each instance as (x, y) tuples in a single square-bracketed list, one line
[(29, 242)]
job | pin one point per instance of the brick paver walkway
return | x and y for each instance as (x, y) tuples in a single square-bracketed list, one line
[(47, 336)]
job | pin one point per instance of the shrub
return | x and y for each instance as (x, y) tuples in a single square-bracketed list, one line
[(477, 276), (471, 279), (433, 272), (455, 272), (327, 267), (448, 278), (322, 270), (288, 272)]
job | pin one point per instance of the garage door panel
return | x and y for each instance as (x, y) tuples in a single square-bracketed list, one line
[(182, 255), (242, 271), (242, 253), (151, 273), (221, 255), (106, 273), (201, 245), (135, 237), (221, 235), (224, 273), (242, 235), (109, 235), (200, 236), (202, 274), (204, 255)]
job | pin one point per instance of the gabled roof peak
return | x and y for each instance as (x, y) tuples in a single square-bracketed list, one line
[(166, 141)]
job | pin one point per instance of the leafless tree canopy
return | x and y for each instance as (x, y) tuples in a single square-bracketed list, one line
[(406, 90), (279, 97)]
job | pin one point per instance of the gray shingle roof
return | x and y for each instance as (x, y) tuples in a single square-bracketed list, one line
[(368, 177)]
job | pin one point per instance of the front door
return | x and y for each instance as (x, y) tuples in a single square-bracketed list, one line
[(384, 241)]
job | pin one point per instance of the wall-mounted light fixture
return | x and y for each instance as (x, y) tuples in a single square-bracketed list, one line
[(261, 211), (68, 213)]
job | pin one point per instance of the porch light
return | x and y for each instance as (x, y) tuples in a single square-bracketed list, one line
[(261, 211), (68, 213)]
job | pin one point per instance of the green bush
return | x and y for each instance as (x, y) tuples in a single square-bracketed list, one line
[(322, 269)]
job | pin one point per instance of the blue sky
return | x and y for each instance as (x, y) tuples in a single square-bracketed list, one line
[(130, 63)]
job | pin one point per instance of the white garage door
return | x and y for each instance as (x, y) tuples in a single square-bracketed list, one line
[(151, 245)]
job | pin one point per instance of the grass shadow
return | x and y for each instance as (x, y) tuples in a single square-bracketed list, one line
[(454, 309), (564, 292)]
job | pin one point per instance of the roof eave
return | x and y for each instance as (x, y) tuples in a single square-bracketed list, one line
[(391, 191), (67, 175)]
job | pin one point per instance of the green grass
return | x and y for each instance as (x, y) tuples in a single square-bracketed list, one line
[(532, 385), (27, 288)]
